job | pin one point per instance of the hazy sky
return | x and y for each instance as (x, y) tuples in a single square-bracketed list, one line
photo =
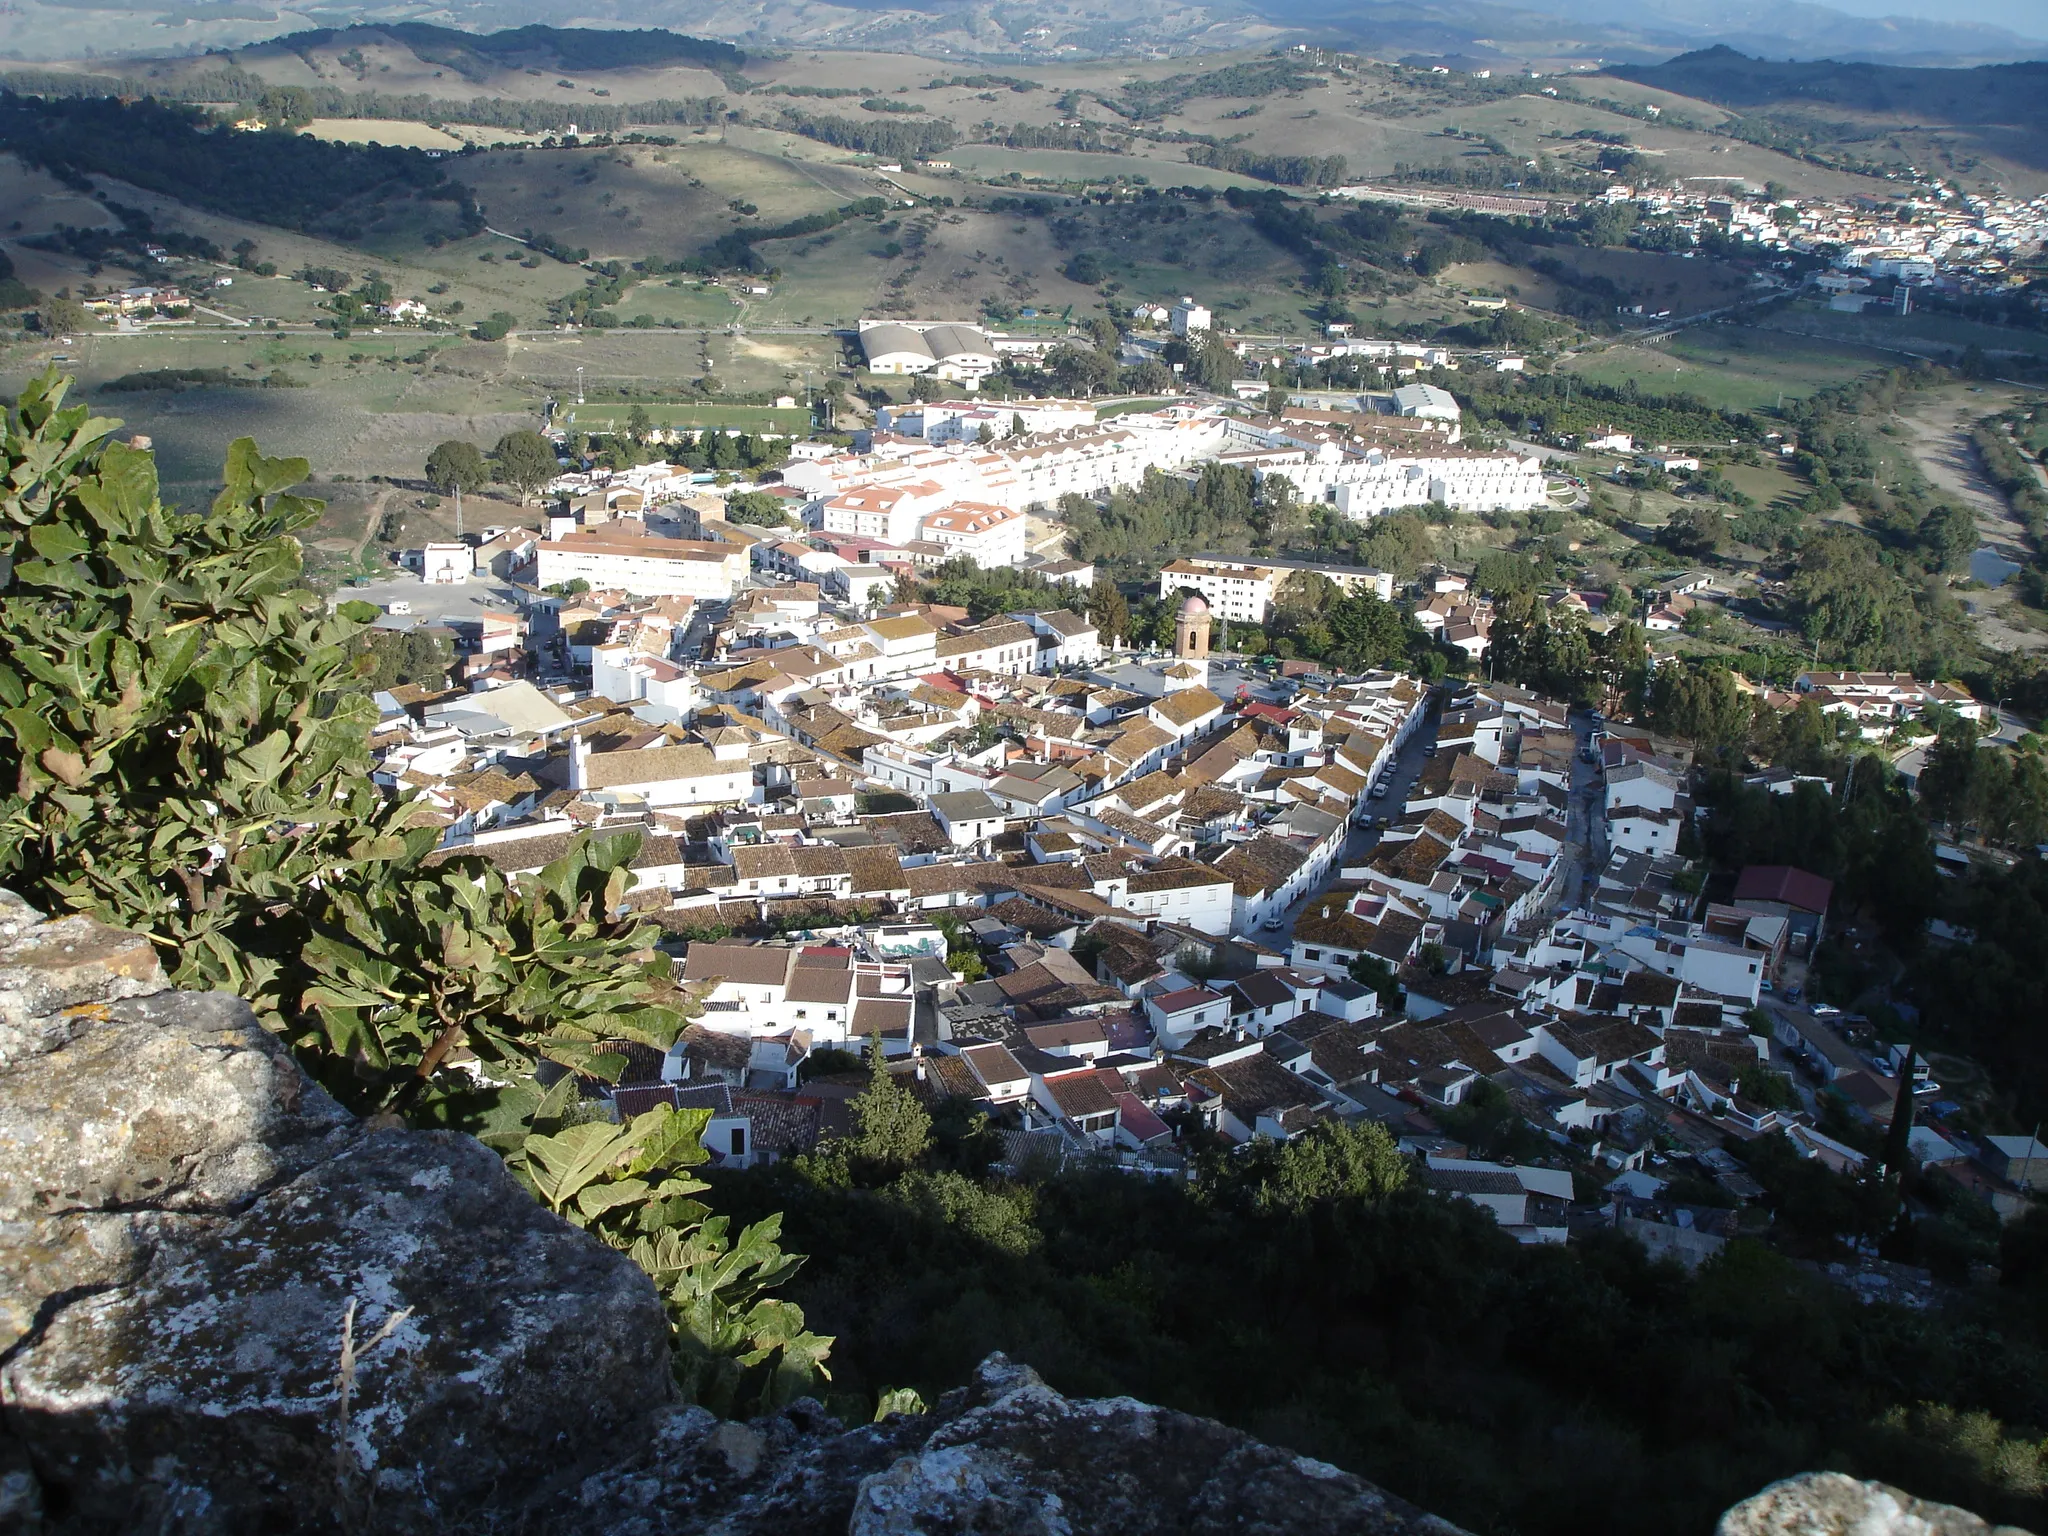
[(2029, 18)]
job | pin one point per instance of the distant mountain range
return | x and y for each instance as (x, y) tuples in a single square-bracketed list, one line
[(1644, 30), (1504, 32), (2010, 95)]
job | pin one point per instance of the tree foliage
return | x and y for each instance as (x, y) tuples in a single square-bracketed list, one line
[(757, 509), (456, 465), (737, 1350), (1305, 1293), (891, 1129), (525, 461), (286, 179), (187, 755)]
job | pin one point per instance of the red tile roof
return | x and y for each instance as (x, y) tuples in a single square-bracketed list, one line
[(1184, 999), (1783, 883)]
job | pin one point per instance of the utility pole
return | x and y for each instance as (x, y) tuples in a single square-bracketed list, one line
[(458, 513)]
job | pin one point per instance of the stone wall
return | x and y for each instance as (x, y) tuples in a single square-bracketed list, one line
[(227, 1307)]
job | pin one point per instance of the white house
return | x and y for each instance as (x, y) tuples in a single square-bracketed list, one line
[(1529, 1203), (968, 818), (612, 559), (689, 774), (1193, 896), (990, 536), (1178, 1016), (442, 564)]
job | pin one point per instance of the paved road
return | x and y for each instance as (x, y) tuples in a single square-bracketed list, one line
[(1586, 816), (1361, 840)]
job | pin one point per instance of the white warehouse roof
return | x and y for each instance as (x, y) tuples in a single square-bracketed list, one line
[(1426, 400)]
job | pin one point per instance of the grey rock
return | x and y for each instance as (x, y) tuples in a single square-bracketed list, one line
[(184, 1221), (55, 976), (16, 916), (1029, 1462), (1004, 1456), (1834, 1504), (526, 1346), (177, 1102)]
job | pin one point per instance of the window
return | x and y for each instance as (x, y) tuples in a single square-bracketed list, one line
[(739, 1141), (1311, 954)]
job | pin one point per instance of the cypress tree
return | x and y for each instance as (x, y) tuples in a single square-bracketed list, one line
[(893, 1128), (1898, 1138)]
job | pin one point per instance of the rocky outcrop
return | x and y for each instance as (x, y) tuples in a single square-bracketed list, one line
[(228, 1307), (185, 1223), (1004, 1456), (1832, 1504)]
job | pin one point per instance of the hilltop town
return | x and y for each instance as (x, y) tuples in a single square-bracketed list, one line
[(1122, 897), (939, 723)]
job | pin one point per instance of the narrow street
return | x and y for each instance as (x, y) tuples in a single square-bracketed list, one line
[(1360, 841)]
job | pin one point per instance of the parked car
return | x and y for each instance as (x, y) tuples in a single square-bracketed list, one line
[(1379, 791), (1792, 994), (1826, 1011), (1273, 924)]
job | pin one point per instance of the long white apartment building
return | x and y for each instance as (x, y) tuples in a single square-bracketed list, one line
[(961, 421), (1243, 591), (1379, 481), (1022, 472), (614, 559)]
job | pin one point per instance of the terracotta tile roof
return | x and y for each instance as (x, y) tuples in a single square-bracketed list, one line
[(1079, 1094), (1263, 864), (1187, 706), (747, 964), (654, 765)]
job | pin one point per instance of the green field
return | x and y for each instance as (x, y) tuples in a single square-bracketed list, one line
[(830, 279), (1733, 367), (683, 300), (1921, 334), (376, 405), (691, 415)]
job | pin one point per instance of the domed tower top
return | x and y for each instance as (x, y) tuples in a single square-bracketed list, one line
[(1191, 628)]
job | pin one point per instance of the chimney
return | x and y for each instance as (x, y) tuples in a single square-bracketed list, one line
[(579, 762)]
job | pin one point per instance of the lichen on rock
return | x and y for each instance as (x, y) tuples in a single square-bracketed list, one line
[(185, 1217), (1835, 1504)]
